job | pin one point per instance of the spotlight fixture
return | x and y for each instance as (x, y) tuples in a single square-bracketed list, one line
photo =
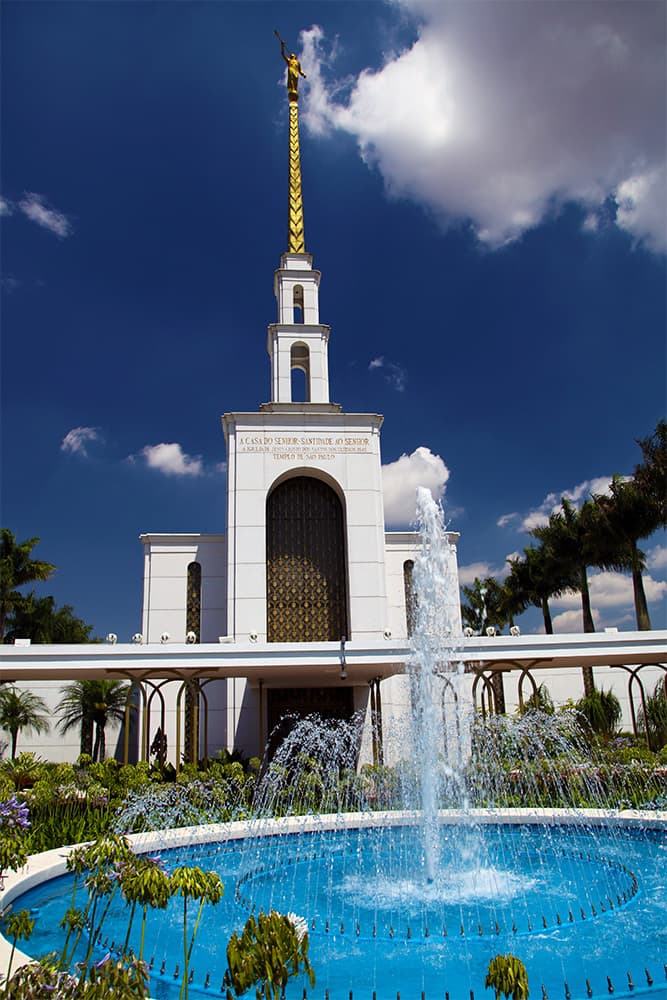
[(111, 638), (468, 632), (491, 631), (191, 637), (165, 637), (137, 638), (515, 630)]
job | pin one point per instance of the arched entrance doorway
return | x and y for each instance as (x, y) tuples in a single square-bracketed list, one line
[(306, 592), (306, 571)]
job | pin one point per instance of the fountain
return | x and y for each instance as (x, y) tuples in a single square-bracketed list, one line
[(411, 878)]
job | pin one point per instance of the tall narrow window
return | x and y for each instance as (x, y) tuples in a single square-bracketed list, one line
[(408, 587), (300, 371), (192, 624), (193, 600), (306, 566), (297, 302)]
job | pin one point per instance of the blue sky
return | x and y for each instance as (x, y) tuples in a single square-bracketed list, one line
[(484, 194)]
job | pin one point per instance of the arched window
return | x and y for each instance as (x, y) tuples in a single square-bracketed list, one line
[(193, 600), (408, 587), (306, 565), (297, 303), (300, 372)]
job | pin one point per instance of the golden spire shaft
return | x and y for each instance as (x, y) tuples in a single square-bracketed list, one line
[(296, 240)]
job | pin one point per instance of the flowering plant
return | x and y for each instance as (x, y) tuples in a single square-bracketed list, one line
[(13, 824)]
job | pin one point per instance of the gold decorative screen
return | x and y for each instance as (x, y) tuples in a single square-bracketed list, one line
[(306, 588), (408, 587), (193, 599)]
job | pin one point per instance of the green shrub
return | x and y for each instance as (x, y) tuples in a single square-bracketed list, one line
[(653, 721), (602, 711)]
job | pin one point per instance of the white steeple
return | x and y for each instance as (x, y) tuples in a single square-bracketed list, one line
[(298, 340)]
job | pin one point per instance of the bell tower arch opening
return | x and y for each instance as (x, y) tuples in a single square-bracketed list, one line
[(306, 562), (297, 298), (300, 373)]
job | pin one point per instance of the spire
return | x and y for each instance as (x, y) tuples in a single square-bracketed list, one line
[(296, 241)]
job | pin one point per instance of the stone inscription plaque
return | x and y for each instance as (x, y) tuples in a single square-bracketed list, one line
[(305, 447)]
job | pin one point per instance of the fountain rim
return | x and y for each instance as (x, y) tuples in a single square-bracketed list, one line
[(48, 865)]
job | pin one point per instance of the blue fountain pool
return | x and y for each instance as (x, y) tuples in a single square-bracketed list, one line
[(584, 908)]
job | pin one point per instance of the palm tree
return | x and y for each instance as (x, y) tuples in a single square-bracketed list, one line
[(488, 603), (651, 474), (16, 569), (535, 579), (89, 705), (578, 538), (21, 710), (629, 514), (38, 619)]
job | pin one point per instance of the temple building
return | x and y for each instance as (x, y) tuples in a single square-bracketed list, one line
[(305, 603), (305, 558)]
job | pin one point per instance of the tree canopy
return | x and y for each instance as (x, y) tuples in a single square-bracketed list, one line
[(26, 616), (22, 710), (17, 568), (90, 705)]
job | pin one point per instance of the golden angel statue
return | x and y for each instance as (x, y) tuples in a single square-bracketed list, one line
[(294, 70)]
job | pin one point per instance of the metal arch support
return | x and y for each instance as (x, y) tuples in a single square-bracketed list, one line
[(487, 692), (156, 690), (202, 693), (135, 684), (191, 684), (526, 672), (448, 686), (634, 673)]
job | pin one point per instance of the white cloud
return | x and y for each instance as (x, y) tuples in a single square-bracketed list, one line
[(36, 208), (171, 460), (506, 519), (75, 441), (481, 570), (613, 590), (656, 558), (641, 206), (539, 516), (571, 621), (6, 207), (393, 373), (400, 481), (500, 112)]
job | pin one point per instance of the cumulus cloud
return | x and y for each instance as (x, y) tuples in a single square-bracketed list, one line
[(36, 208), (570, 621), (76, 441), (480, 571), (393, 373), (539, 515), (401, 478), (656, 558), (171, 460), (613, 590), (501, 112)]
